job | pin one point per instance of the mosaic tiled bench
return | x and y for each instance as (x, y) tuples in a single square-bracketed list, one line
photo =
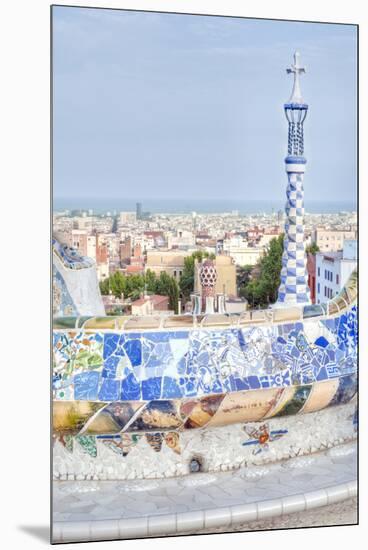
[(147, 396), (74, 283)]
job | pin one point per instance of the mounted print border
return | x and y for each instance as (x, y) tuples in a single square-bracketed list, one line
[(205, 331)]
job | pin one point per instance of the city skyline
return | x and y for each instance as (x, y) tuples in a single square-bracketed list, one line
[(211, 117), (187, 206)]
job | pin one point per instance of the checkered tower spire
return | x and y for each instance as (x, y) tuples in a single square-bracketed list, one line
[(294, 288)]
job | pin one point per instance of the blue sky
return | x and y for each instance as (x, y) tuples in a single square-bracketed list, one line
[(174, 106)]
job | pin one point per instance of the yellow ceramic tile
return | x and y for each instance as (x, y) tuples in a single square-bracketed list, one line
[(158, 415), (172, 440), (287, 314), (332, 308), (284, 397), (139, 323), (203, 411), (100, 323), (100, 424), (71, 416), (114, 418), (321, 395), (245, 406)]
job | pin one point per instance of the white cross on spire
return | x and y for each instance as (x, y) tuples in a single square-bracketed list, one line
[(296, 69)]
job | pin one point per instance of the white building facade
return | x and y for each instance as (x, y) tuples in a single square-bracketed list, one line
[(242, 254), (333, 269), (329, 239)]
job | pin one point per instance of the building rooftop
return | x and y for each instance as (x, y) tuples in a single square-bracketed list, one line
[(333, 255), (154, 298)]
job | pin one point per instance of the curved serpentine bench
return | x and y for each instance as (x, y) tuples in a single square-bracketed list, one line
[(246, 380)]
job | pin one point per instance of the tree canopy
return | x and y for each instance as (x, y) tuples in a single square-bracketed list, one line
[(313, 248), (132, 286), (243, 276), (262, 291)]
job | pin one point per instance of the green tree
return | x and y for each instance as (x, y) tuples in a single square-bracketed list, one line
[(262, 291), (132, 286), (104, 287), (117, 284), (151, 281), (313, 248), (167, 286), (243, 277)]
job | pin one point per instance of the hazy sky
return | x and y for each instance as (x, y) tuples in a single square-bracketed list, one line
[(171, 106)]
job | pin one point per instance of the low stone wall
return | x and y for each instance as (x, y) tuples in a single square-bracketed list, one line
[(168, 454)]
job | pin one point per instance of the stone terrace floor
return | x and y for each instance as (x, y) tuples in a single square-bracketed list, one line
[(202, 502)]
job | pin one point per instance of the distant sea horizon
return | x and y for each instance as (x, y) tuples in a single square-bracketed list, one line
[(186, 206)]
